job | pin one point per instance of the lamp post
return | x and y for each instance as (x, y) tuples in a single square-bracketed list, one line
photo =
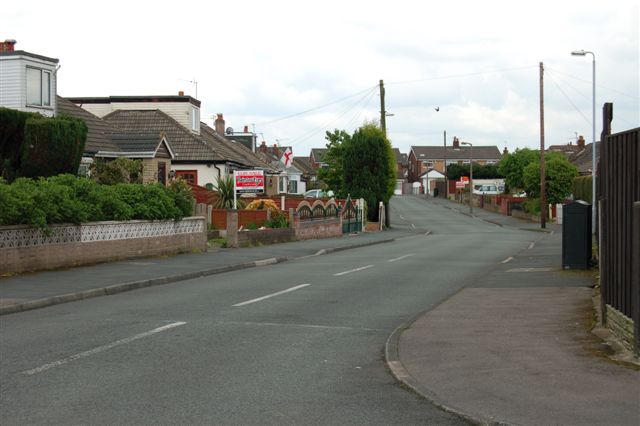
[(593, 146), (470, 175)]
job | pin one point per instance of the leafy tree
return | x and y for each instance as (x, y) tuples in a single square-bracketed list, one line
[(369, 168), (512, 166), (559, 175), (333, 175), (120, 170), (480, 171)]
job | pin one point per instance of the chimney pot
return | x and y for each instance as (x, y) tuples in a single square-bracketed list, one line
[(456, 143), (7, 45), (581, 142), (181, 93), (246, 129), (219, 124)]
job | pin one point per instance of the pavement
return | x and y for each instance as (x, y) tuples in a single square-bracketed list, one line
[(515, 347)]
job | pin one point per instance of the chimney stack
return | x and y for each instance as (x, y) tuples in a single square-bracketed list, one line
[(263, 147), (581, 142), (219, 124), (246, 129), (7, 45), (456, 143), (276, 151), (181, 93)]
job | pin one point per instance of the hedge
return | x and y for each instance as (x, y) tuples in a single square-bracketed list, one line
[(32, 145), (69, 199), (582, 189)]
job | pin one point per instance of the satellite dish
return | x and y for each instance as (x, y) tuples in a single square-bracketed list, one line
[(229, 130)]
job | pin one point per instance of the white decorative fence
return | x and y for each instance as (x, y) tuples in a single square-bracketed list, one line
[(24, 236), (24, 248)]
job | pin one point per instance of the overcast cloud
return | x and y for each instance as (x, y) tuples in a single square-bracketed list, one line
[(259, 62)]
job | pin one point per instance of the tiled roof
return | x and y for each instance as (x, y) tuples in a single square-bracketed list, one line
[(99, 134), (302, 164), (437, 152), (140, 144), (186, 145), (400, 157), (318, 154), (583, 160), (233, 150)]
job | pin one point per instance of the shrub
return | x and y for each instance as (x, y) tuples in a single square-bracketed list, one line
[(582, 189), (68, 199), (52, 146), (120, 170), (278, 220), (266, 204)]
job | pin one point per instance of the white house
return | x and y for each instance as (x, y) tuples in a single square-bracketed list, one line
[(27, 80)]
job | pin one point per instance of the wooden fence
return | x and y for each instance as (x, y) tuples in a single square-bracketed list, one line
[(619, 189)]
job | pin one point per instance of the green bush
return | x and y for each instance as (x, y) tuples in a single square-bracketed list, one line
[(12, 123), (69, 199), (582, 189), (52, 146)]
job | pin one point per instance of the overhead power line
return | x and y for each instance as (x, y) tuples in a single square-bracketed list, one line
[(472, 74)]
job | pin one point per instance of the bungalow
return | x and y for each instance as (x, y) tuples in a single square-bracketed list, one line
[(201, 154)]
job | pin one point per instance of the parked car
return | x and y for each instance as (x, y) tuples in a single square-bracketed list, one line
[(318, 193), (486, 190)]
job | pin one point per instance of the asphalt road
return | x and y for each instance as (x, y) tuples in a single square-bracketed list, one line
[(294, 343)]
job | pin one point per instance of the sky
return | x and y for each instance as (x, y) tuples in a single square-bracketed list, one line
[(291, 70)]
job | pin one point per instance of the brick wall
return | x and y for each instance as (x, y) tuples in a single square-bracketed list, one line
[(33, 257), (322, 228), (621, 326), (266, 236)]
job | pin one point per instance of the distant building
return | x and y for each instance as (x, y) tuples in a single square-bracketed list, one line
[(424, 158)]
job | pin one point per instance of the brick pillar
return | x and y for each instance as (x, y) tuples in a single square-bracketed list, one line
[(232, 228)]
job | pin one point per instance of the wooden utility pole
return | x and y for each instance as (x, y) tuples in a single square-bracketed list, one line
[(446, 183), (543, 195), (383, 111), (383, 126)]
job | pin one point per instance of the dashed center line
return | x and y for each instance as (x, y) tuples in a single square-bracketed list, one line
[(399, 258), (103, 348), (507, 260), (248, 302), (353, 270)]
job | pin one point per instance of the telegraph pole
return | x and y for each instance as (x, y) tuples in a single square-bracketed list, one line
[(446, 183), (383, 126), (383, 111), (543, 195)]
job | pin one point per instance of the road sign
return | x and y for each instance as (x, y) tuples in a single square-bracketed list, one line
[(460, 184)]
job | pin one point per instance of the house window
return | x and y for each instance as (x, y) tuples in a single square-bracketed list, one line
[(38, 87), (189, 176), (195, 119), (282, 182), (293, 187)]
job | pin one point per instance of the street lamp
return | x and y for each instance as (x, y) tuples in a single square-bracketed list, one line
[(470, 175), (593, 125)]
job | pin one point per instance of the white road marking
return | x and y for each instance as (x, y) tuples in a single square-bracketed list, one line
[(532, 245), (353, 270), (248, 302), (399, 258), (413, 226), (102, 348), (508, 259)]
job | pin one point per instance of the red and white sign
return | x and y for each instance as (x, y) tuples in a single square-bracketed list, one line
[(249, 181), (460, 184), (287, 157), (465, 179)]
